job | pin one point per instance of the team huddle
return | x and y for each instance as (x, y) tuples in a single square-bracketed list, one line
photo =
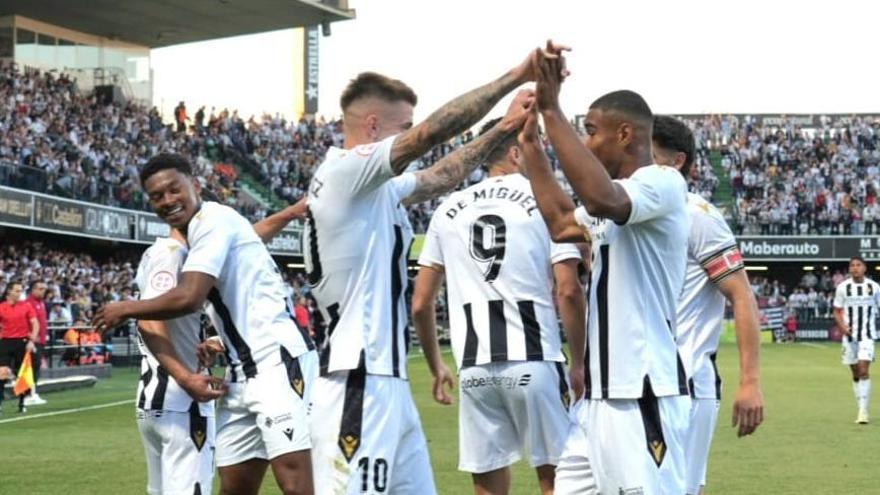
[(632, 411)]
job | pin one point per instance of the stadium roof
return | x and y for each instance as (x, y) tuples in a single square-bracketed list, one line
[(158, 23)]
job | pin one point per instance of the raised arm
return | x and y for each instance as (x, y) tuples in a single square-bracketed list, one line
[(601, 196), (458, 115), (454, 168), (748, 406), (270, 226), (555, 206)]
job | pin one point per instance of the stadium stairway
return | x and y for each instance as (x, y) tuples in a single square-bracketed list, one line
[(723, 197), (258, 191)]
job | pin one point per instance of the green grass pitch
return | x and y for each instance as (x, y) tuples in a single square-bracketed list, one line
[(808, 444)]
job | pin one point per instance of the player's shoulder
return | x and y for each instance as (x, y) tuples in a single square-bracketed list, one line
[(659, 173), (701, 210), (217, 216), (338, 157), (164, 249), (455, 197)]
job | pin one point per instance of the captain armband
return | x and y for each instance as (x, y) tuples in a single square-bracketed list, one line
[(723, 263)]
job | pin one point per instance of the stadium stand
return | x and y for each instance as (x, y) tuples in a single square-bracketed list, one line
[(791, 177), (61, 142)]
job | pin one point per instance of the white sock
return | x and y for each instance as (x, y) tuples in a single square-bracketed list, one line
[(857, 392), (864, 394)]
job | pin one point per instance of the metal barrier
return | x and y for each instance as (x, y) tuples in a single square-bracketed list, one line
[(55, 348), (38, 180)]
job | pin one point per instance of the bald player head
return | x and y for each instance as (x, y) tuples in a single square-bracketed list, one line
[(618, 127)]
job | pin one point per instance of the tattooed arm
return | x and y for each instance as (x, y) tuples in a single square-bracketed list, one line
[(458, 115), (454, 168)]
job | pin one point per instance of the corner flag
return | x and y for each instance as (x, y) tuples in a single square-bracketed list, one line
[(25, 379)]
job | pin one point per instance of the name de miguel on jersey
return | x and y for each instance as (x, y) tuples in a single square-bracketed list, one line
[(525, 201)]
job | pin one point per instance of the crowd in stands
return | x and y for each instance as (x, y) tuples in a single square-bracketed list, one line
[(78, 283), (59, 140), (786, 179), (789, 180), (812, 297)]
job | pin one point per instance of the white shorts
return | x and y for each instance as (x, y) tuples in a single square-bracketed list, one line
[(633, 446), (574, 472), (179, 447), (509, 408), (704, 417), (267, 416), (855, 351), (367, 437)]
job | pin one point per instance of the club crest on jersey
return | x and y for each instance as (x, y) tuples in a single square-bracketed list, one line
[(198, 438), (658, 451), (162, 281), (298, 386), (349, 445), (366, 149)]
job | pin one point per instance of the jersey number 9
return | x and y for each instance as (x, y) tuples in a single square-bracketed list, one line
[(489, 228)]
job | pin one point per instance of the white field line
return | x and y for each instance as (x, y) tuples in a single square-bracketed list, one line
[(112, 404), (58, 413)]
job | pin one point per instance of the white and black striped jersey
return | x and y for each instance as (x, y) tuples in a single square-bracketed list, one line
[(254, 311), (637, 276), (498, 259), (712, 256), (859, 302), (356, 242), (157, 274)]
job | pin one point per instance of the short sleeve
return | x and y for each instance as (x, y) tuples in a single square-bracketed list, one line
[(404, 185), (581, 217), (432, 253), (653, 192), (372, 168), (210, 239), (839, 294), (30, 313), (160, 273), (563, 251), (713, 245)]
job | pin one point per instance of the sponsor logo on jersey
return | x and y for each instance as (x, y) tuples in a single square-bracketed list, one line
[(288, 432), (505, 382)]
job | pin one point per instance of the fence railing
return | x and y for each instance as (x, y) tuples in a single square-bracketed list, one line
[(57, 352), (38, 180)]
